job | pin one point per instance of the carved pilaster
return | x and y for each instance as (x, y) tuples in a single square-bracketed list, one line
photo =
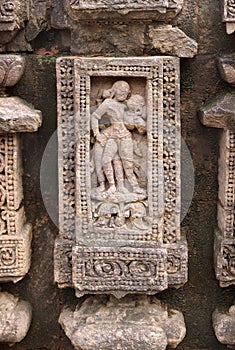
[(16, 116), (220, 113), (119, 191)]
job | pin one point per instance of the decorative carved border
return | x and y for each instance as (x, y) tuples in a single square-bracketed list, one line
[(74, 84), (66, 147), (224, 246), (15, 255), (103, 269)]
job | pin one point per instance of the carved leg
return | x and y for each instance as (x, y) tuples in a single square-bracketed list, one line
[(98, 153), (128, 166), (108, 155), (119, 175)]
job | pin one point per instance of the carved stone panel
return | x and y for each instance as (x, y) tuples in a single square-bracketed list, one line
[(119, 175)]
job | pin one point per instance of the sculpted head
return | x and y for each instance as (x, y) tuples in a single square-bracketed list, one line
[(120, 90)]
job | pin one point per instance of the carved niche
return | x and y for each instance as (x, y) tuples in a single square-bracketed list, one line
[(119, 176)]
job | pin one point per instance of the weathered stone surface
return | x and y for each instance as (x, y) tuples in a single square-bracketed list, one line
[(172, 41), (127, 38), (224, 326), (19, 43), (136, 323), (219, 113), (37, 19), (13, 14), (15, 318), (59, 16), (126, 235), (16, 115), (119, 10), (227, 68)]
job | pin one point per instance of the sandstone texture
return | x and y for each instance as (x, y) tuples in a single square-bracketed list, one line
[(15, 318), (16, 115), (224, 326), (169, 40), (130, 323)]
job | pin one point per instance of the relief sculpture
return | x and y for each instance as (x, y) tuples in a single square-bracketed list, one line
[(118, 198), (119, 171)]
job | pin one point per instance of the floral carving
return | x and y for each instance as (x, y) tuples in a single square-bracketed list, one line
[(11, 70)]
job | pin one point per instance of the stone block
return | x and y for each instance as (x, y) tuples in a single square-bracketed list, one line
[(73, 10), (172, 41), (226, 66)]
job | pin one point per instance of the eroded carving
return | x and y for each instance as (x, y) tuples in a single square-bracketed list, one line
[(119, 172), (141, 323), (13, 13), (224, 326), (131, 8), (15, 318)]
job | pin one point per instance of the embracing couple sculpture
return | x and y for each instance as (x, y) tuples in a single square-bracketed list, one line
[(113, 149)]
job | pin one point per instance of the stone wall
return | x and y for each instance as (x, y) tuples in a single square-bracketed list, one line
[(200, 82)]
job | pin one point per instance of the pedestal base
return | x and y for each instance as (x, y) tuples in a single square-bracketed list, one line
[(224, 326), (139, 322), (15, 318)]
